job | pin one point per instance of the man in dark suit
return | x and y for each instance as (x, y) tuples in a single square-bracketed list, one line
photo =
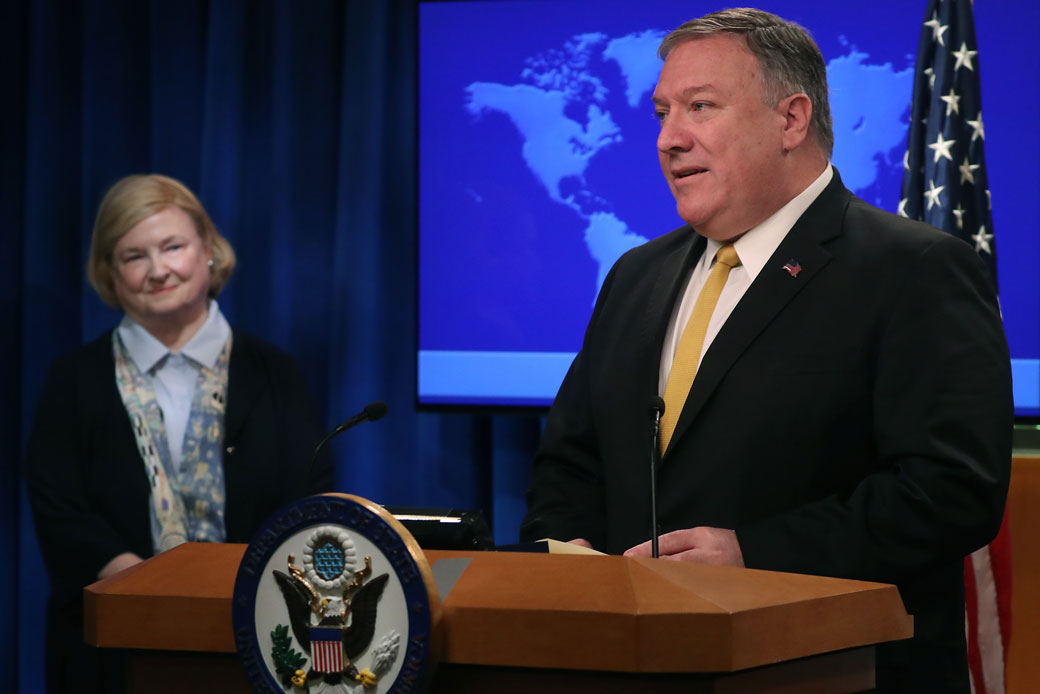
[(837, 381)]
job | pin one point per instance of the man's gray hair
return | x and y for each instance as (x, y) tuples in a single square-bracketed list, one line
[(790, 59)]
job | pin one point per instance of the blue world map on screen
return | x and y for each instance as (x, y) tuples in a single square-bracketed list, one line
[(538, 169), (562, 109)]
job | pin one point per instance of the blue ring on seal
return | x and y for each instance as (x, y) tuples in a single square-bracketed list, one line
[(336, 510)]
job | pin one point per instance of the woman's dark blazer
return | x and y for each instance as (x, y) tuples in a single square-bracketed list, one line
[(86, 481)]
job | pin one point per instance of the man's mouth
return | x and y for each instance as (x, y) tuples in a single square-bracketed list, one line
[(686, 173)]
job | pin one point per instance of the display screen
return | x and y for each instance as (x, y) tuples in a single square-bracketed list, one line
[(538, 168)]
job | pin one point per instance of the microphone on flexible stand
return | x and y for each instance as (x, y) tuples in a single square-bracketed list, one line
[(656, 410), (372, 412)]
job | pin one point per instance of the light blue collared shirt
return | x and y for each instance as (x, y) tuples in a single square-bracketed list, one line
[(175, 375)]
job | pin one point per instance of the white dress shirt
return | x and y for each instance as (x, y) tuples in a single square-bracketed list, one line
[(754, 249)]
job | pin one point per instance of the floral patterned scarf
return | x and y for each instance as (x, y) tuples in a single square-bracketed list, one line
[(187, 500)]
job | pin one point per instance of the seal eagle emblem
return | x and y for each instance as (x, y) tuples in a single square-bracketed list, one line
[(354, 614)]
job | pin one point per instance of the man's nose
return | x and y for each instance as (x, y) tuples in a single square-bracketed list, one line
[(673, 136)]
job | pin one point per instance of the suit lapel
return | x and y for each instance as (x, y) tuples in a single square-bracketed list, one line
[(667, 285), (767, 296)]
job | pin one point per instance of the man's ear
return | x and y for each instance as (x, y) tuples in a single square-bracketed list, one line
[(797, 112)]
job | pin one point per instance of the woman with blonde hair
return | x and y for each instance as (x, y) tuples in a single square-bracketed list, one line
[(170, 428)]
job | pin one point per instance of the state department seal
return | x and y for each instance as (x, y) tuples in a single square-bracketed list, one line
[(334, 596)]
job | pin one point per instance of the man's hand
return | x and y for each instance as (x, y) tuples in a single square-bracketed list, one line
[(581, 542), (702, 544)]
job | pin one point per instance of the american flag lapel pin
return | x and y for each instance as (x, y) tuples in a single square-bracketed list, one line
[(793, 267)]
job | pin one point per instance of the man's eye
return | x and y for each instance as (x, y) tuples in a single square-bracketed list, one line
[(699, 106), (660, 116)]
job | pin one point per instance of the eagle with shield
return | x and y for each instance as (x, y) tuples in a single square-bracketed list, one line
[(332, 606)]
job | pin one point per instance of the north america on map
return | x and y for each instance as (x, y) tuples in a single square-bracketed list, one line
[(561, 107)]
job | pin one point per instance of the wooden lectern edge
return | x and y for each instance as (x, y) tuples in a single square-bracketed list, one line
[(103, 585), (466, 640), (651, 566), (148, 588), (663, 572), (480, 616), (109, 592), (895, 628), (176, 634)]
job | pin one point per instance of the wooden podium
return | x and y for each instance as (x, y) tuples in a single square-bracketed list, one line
[(536, 622)]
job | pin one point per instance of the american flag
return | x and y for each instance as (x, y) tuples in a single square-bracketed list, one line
[(327, 649), (944, 184)]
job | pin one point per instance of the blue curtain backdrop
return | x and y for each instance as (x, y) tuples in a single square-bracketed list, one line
[(295, 124)]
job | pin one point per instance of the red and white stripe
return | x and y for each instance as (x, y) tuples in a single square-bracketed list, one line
[(327, 655), (987, 583)]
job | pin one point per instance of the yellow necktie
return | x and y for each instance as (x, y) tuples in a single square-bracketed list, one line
[(688, 353)]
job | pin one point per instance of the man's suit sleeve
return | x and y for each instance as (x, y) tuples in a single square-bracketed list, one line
[(566, 498), (942, 411)]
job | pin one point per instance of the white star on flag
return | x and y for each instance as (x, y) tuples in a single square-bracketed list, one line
[(937, 29), (952, 102), (968, 172), (964, 57), (933, 194), (982, 240), (976, 128), (902, 208), (940, 110), (942, 148)]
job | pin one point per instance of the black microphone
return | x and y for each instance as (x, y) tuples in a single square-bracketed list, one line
[(656, 410), (372, 412)]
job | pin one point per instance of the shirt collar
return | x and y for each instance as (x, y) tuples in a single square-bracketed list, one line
[(204, 347), (759, 243)]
